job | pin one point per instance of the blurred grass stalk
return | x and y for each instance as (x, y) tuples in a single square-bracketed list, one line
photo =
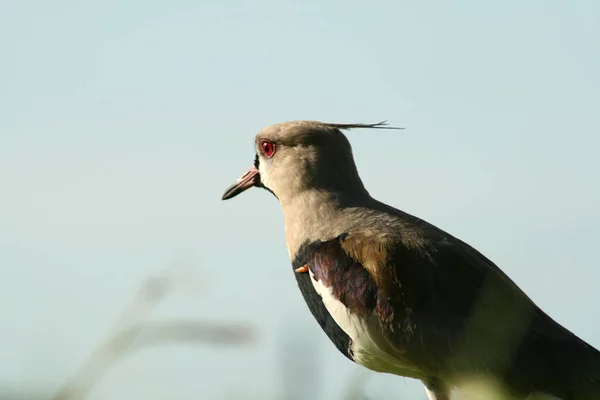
[(131, 333)]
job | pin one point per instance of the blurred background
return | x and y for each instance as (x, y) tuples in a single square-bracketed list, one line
[(121, 123)]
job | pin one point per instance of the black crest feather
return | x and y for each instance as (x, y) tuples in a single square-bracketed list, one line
[(378, 125)]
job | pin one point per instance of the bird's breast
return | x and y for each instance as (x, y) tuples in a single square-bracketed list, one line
[(352, 299), (368, 346)]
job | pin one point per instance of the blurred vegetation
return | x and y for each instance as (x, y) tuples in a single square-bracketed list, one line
[(133, 331)]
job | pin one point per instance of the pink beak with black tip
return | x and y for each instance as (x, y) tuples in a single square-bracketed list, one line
[(244, 182)]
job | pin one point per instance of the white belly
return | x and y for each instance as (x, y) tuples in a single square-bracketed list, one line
[(365, 336), (489, 389)]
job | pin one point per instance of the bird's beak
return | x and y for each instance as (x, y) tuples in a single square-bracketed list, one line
[(246, 181)]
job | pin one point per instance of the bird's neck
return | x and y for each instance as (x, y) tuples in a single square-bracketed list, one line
[(317, 215)]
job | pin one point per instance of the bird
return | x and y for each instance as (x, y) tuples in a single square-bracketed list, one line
[(398, 295)]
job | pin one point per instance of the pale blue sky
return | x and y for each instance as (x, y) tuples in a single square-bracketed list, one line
[(121, 123)]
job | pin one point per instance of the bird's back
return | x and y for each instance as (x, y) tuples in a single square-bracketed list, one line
[(469, 315)]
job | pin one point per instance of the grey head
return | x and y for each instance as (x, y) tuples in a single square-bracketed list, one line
[(298, 156), (310, 168)]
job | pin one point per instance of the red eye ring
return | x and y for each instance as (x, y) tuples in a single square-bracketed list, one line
[(267, 147)]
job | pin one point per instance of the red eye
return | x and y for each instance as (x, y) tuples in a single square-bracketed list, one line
[(267, 147)]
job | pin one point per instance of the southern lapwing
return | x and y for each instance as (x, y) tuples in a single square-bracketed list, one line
[(396, 294)]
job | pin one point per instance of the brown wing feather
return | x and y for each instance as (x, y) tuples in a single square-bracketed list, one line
[(455, 312)]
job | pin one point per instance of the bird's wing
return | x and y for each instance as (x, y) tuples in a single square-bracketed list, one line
[(306, 255), (446, 307)]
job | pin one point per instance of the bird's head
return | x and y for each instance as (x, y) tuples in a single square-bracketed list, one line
[(296, 156)]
